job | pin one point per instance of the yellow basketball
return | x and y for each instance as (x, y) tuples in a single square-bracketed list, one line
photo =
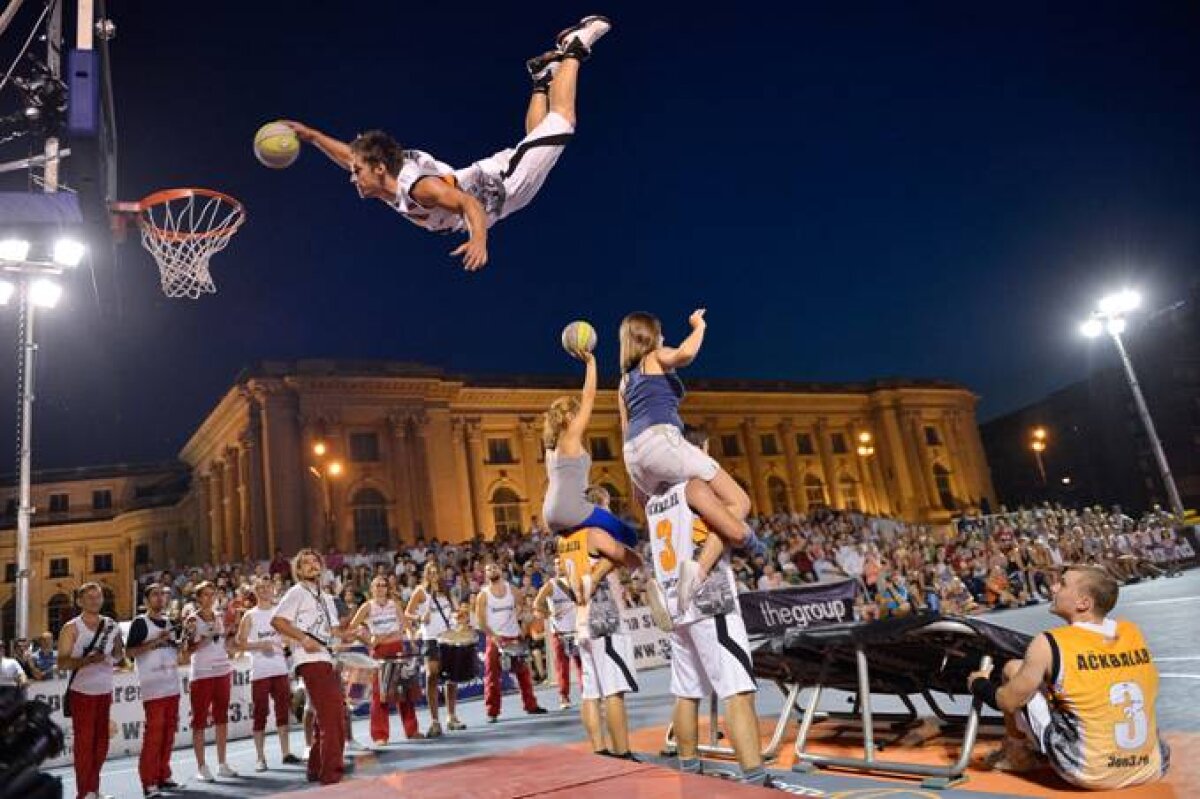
[(578, 337), (276, 145)]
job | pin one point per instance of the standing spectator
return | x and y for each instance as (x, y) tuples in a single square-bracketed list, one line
[(279, 564), (207, 647)]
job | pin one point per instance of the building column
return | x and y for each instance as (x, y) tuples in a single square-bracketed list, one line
[(787, 435), (896, 459), (531, 447), (259, 544), (402, 480), (284, 471), (474, 438), (758, 486), (217, 510), (205, 545), (832, 490), (232, 496), (862, 468), (912, 424), (466, 507)]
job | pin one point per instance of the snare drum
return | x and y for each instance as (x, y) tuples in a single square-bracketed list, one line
[(400, 675), (358, 672), (459, 657), (512, 650)]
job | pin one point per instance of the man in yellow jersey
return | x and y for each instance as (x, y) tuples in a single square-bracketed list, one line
[(1084, 695)]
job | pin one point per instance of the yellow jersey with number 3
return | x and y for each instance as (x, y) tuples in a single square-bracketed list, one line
[(1104, 729)]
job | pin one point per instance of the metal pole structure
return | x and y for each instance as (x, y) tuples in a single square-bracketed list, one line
[(50, 152), (1155, 444), (25, 450)]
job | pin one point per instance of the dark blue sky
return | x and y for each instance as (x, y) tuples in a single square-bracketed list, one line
[(853, 190)]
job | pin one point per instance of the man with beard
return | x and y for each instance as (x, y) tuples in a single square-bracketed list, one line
[(496, 614)]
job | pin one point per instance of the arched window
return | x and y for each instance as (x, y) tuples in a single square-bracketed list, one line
[(941, 476), (506, 511), (370, 520), (58, 612), (617, 504), (778, 491), (814, 491), (849, 488)]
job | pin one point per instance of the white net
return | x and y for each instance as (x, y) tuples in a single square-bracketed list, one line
[(183, 231)]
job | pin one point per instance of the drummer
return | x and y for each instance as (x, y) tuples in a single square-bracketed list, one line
[(496, 613), (380, 620), (553, 602), (432, 608)]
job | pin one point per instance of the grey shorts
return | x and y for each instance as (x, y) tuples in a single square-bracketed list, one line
[(660, 457)]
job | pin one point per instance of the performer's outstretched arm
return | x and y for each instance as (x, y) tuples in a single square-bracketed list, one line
[(338, 151)]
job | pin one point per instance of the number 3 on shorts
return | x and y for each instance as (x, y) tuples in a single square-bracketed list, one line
[(666, 558)]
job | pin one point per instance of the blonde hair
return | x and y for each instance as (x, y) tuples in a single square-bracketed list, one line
[(597, 495), (556, 420), (641, 334)]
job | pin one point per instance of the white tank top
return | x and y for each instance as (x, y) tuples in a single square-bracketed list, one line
[(265, 664), (210, 659), (670, 520), (502, 612), (157, 669), (96, 679), (563, 609), (383, 619), (437, 606)]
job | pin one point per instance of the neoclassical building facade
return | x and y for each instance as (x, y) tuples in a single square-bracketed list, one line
[(357, 454)]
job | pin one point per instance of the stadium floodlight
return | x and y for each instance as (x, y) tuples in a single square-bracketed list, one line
[(45, 293), (14, 249), (1119, 303), (1092, 328), (6, 291), (68, 252)]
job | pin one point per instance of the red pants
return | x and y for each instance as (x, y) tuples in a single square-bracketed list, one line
[(89, 721), (162, 722), (329, 730), (491, 680), (210, 700), (562, 667), (380, 729), (270, 689)]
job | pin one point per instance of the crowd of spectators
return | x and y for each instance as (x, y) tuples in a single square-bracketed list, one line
[(972, 565)]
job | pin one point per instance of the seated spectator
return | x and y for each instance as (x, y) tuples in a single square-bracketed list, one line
[(892, 597), (45, 658), (11, 673), (771, 578)]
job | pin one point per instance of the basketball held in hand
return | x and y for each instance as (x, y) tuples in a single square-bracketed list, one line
[(276, 145), (578, 337)]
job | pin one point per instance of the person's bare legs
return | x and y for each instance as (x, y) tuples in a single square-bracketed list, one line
[(732, 494), (589, 713), (618, 723), (539, 106), (685, 723), (222, 740), (721, 520), (562, 89), (741, 720), (432, 671), (452, 701)]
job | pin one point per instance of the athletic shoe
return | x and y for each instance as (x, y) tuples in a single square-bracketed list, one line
[(456, 725), (150, 791), (689, 577), (658, 606), (289, 760), (537, 711), (493, 719), (380, 742), (260, 765), (354, 746), (578, 40), (434, 731), (204, 775), (542, 68), (225, 771), (565, 704), (168, 785)]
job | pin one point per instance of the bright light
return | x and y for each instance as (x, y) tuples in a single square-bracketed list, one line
[(14, 250), (319, 448), (6, 291), (866, 452), (1038, 446), (45, 293), (68, 252), (1092, 328), (864, 437), (1121, 302), (1066, 481), (1039, 433), (335, 469), (1116, 326)]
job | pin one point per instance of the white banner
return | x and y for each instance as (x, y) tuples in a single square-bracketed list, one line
[(651, 646), (128, 719)]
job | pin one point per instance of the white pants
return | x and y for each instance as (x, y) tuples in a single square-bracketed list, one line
[(660, 457), (711, 655), (521, 170)]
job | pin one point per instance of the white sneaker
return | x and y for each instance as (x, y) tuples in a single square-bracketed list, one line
[(587, 32), (225, 771), (565, 704), (689, 578), (260, 765), (204, 775), (658, 606)]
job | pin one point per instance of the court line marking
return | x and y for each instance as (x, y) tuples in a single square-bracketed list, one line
[(1175, 659), (1166, 601), (1180, 676)]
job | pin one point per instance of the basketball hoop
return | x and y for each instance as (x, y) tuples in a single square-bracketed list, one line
[(183, 229)]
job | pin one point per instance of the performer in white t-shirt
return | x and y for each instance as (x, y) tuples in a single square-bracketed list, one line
[(433, 609), (436, 197), (555, 604), (381, 618), (269, 680), (155, 652), (207, 645)]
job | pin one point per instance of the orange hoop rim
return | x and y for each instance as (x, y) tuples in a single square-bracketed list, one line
[(163, 196)]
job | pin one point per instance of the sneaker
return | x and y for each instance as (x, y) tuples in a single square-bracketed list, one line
[(168, 785), (225, 771), (434, 731), (689, 577), (658, 606), (542, 68), (564, 704), (537, 711), (150, 791), (353, 745), (456, 725), (380, 742), (578, 39), (289, 760), (204, 775), (260, 765), (493, 719)]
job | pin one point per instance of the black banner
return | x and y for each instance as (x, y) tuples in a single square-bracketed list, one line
[(802, 607)]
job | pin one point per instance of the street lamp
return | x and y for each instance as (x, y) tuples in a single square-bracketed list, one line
[(31, 281), (1110, 318), (866, 447), (324, 474), (1037, 443)]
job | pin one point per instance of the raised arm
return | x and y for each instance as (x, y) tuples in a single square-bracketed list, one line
[(686, 352), (414, 604), (434, 193), (337, 151), (587, 401)]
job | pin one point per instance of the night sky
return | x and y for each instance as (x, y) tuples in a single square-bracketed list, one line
[(853, 190)]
